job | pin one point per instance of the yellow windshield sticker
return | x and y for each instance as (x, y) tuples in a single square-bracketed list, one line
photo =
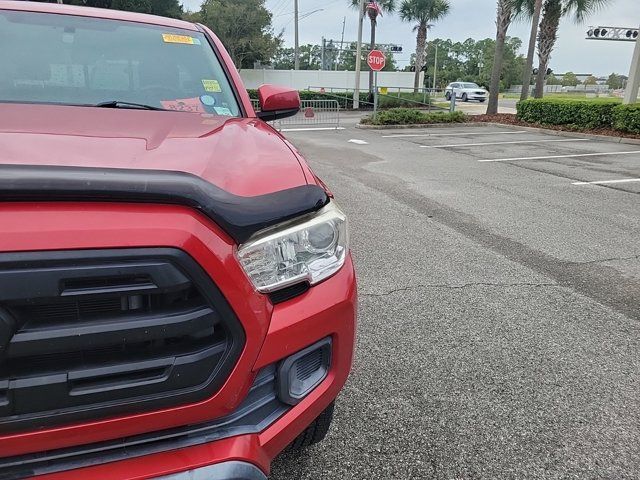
[(211, 86), (185, 39)]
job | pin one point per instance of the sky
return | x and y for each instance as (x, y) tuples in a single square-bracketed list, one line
[(467, 19)]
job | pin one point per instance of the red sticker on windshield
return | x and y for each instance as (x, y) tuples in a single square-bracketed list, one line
[(192, 105)]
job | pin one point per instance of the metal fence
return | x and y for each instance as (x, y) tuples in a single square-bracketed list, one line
[(313, 113)]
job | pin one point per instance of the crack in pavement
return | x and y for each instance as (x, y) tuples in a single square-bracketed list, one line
[(457, 287), (601, 283)]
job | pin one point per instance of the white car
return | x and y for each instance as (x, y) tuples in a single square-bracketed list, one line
[(465, 91)]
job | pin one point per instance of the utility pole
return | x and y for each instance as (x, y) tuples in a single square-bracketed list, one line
[(631, 92), (435, 69), (324, 45), (356, 90), (526, 75), (344, 20), (296, 48)]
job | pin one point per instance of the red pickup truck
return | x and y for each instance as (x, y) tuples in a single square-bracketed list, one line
[(177, 296)]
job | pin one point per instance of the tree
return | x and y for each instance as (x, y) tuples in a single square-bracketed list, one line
[(553, 80), (347, 60), (422, 12), (553, 10), (310, 58), (243, 27), (535, 18), (165, 8), (142, 6), (373, 10), (547, 36), (569, 79), (591, 80), (615, 81), (472, 61), (505, 14)]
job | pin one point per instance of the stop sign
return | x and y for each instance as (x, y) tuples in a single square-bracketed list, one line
[(376, 60)]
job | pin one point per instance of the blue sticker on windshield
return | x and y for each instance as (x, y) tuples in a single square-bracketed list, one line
[(208, 100)]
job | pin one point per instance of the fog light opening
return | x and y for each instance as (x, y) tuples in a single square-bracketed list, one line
[(303, 371)]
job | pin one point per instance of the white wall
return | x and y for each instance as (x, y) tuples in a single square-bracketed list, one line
[(303, 79)]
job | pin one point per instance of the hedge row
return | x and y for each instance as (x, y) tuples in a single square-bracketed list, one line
[(581, 114), (345, 100), (626, 118), (408, 116)]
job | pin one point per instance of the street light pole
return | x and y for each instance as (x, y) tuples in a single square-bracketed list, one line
[(356, 90), (296, 48)]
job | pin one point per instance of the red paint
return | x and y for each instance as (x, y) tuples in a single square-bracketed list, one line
[(274, 98), (242, 155), (221, 150), (376, 60)]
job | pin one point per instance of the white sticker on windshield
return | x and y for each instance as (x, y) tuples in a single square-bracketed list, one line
[(223, 111)]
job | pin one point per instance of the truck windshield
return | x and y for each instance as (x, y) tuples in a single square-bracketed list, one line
[(74, 60)]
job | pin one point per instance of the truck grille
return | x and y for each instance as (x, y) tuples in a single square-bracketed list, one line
[(93, 333), (259, 409)]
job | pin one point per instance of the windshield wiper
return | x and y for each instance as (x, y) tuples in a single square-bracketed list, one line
[(122, 104)]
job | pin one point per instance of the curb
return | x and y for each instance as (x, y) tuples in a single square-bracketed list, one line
[(419, 125), (548, 131), (562, 133)]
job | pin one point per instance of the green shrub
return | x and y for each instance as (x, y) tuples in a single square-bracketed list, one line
[(410, 116), (626, 118), (579, 114)]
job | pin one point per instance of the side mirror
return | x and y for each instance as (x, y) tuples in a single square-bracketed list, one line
[(277, 102)]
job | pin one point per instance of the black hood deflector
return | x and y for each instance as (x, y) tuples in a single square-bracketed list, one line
[(238, 216)]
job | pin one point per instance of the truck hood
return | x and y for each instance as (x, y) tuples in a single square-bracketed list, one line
[(242, 156)]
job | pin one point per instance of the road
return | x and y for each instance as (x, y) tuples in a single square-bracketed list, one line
[(505, 105), (499, 321)]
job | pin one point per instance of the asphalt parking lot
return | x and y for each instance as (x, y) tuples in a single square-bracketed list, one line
[(499, 332)]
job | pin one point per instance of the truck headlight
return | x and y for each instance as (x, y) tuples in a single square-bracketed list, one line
[(311, 248)]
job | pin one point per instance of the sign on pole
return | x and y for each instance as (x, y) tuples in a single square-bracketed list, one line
[(376, 60)]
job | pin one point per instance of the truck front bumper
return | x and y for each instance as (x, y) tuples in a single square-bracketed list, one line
[(327, 310), (233, 470)]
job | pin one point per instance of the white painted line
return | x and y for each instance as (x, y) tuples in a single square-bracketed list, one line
[(505, 143), (604, 182), (308, 129), (548, 157), (458, 134), (357, 142)]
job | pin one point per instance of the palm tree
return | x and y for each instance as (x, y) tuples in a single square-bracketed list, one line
[(553, 11), (422, 12), (533, 10), (507, 10), (547, 36), (373, 10)]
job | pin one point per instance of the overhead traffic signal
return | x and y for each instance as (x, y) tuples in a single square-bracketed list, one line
[(612, 33)]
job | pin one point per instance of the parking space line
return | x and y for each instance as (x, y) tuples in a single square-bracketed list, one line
[(457, 134), (549, 157), (506, 143), (605, 182), (308, 129)]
